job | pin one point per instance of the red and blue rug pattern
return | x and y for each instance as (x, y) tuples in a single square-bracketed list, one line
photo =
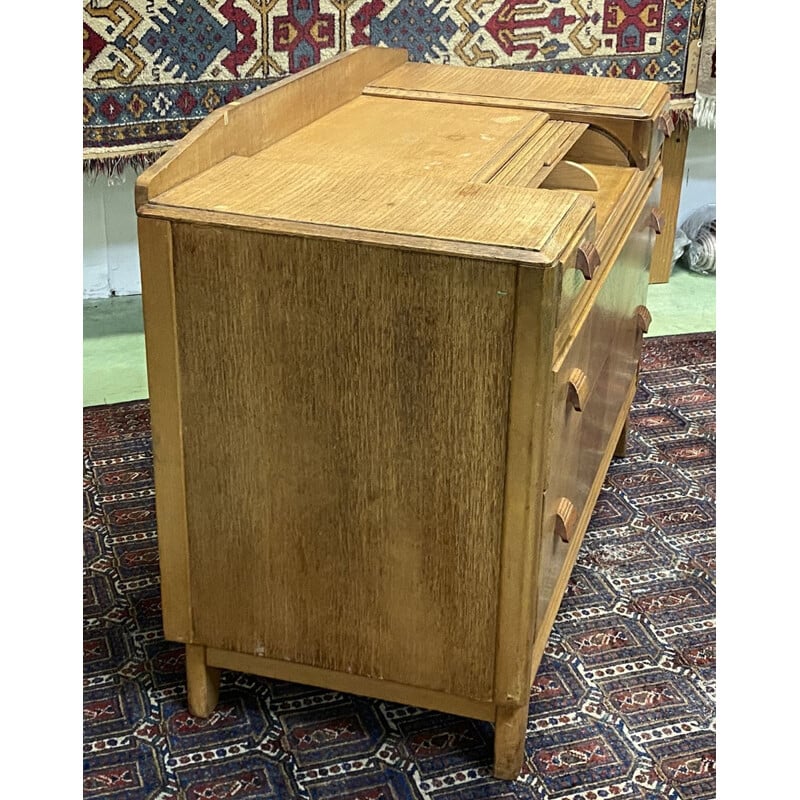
[(152, 69), (623, 705)]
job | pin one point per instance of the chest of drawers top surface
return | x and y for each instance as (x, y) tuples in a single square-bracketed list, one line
[(482, 159)]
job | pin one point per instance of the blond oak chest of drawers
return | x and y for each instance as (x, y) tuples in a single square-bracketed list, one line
[(393, 315)]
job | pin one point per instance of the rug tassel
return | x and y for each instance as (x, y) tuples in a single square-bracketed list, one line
[(114, 168), (705, 111)]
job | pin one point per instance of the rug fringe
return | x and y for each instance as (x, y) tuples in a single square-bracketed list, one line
[(705, 111), (680, 109), (114, 167)]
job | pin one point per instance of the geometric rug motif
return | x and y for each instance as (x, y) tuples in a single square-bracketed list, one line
[(152, 69), (623, 704)]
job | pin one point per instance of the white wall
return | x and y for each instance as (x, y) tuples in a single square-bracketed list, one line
[(700, 172), (110, 251), (111, 256)]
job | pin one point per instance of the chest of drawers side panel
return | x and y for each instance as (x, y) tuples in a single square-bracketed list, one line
[(344, 423)]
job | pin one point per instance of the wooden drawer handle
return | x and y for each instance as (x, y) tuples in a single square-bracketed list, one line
[(566, 519), (587, 260), (666, 124), (577, 386), (643, 319), (656, 220)]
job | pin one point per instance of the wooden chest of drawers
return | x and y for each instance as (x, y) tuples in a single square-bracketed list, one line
[(393, 316)]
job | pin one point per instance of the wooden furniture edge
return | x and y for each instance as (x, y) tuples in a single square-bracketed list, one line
[(570, 326), (202, 682), (454, 247), (353, 684), (311, 93), (651, 102), (673, 160), (163, 371), (527, 424), (548, 620), (617, 127), (510, 733)]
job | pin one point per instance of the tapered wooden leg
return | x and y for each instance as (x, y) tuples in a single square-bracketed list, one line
[(673, 157), (510, 727), (622, 442), (202, 681)]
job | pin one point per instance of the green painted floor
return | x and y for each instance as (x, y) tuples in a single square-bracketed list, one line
[(113, 340), (114, 367)]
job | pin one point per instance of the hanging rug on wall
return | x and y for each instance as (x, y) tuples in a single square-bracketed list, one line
[(152, 69), (705, 108)]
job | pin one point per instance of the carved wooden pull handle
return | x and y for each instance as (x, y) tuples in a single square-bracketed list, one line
[(587, 260), (566, 519), (656, 220), (666, 124), (577, 386), (643, 319)]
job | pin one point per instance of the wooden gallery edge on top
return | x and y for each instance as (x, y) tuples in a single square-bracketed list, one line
[(393, 316)]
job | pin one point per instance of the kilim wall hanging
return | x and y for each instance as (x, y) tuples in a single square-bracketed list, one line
[(152, 69)]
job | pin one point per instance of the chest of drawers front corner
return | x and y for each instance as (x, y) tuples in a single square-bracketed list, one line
[(393, 316)]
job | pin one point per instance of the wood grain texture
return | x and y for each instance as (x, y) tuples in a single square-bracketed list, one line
[(381, 239), (569, 175), (384, 396), (202, 682), (396, 137), (673, 160), (353, 684), (414, 206), (639, 138), (599, 147), (246, 126), (605, 350), (647, 140), (619, 201), (334, 404), (556, 568), (599, 96), (510, 728), (163, 374), (531, 163), (528, 423), (607, 347)]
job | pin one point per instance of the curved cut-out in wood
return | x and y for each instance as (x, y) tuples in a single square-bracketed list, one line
[(569, 175), (566, 519), (587, 260), (643, 319), (598, 146), (577, 389)]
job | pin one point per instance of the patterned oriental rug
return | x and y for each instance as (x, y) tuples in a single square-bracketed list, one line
[(152, 69), (623, 705)]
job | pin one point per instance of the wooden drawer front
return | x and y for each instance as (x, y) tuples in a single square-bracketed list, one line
[(574, 285), (625, 200), (591, 395), (614, 316)]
